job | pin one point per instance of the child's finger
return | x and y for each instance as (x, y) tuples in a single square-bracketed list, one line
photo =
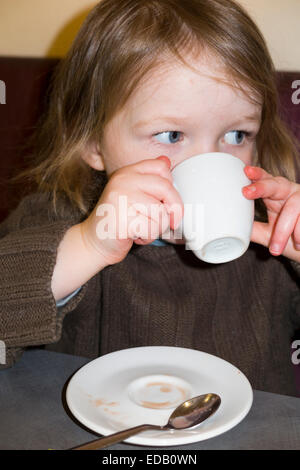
[(159, 187), (296, 235), (285, 225), (261, 233), (140, 227), (256, 173), (145, 229), (165, 159), (153, 190), (158, 166), (277, 188)]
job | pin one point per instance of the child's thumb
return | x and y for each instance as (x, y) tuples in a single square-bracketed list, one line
[(165, 159)]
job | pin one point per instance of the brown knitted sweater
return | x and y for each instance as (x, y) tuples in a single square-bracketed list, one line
[(245, 311)]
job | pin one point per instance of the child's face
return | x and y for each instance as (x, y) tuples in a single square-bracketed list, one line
[(179, 112)]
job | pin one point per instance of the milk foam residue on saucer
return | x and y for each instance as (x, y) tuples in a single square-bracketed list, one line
[(159, 392)]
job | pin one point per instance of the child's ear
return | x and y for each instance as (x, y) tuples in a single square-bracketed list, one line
[(93, 157)]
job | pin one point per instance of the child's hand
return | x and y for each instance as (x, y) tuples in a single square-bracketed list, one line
[(282, 200), (135, 206)]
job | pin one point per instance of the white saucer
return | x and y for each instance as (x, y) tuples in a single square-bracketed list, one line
[(143, 385)]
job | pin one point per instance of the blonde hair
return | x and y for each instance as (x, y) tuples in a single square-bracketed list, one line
[(117, 45)]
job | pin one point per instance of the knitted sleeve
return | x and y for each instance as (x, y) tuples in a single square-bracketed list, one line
[(29, 239)]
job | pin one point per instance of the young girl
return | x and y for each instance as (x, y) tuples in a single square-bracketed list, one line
[(146, 85)]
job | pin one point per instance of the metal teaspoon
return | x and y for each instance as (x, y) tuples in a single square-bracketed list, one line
[(190, 413)]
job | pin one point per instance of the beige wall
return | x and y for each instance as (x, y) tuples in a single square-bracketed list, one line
[(46, 27), (279, 21)]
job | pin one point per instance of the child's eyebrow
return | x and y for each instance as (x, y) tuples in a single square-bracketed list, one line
[(256, 117), (177, 121), (160, 119)]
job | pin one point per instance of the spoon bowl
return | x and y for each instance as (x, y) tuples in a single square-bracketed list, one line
[(193, 411), (188, 414)]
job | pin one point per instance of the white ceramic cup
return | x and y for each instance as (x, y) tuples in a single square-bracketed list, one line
[(218, 219)]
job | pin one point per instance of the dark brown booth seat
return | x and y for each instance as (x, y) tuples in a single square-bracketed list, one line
[(26, 81)]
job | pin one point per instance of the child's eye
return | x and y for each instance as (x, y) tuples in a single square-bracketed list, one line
[(235, 137), (169, 137)]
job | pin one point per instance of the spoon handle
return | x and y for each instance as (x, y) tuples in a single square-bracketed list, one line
[(116, 437)]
